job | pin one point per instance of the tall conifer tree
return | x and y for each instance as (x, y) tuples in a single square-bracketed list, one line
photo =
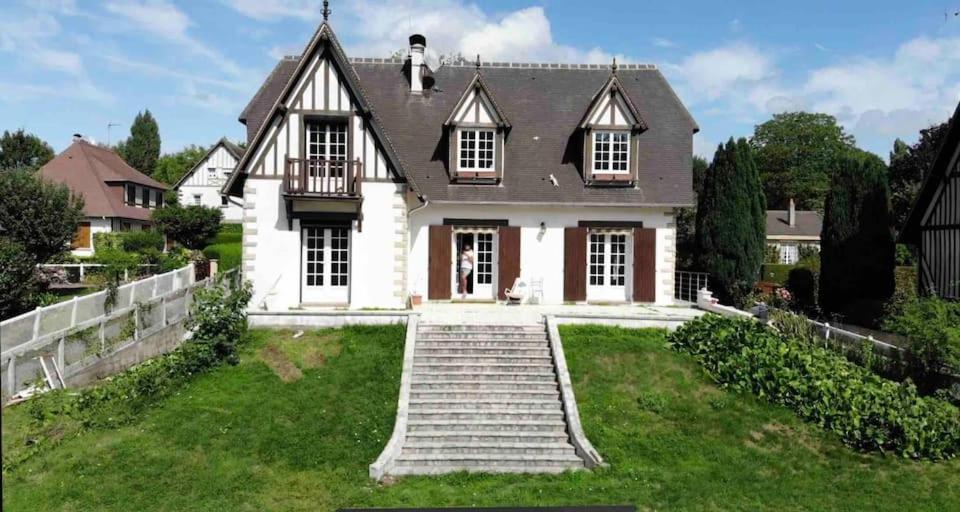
[(142, 149), (731, 223)]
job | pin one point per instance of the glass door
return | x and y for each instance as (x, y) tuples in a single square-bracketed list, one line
[(326, 265), (607, 256), (474, 264)]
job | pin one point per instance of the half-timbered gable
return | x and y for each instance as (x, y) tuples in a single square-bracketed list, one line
[(201, 185), (934, 222), (476, 132)]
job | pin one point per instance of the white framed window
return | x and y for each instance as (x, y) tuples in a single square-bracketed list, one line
[(212, 174), (197, 200), (326, 147), (789, 254), (475, 150), (611, 152)]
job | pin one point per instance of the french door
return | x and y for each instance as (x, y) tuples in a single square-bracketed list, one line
[(326, 151), (483, 245), (607, 257), (326, 265)]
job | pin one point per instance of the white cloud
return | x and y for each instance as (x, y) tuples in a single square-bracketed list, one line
[(266, 10), (29, 36), (81, 90), (166, 21), (727, 72), (662, 42)]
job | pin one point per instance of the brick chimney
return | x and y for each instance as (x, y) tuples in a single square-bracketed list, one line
[(792, 214), (418, 44)]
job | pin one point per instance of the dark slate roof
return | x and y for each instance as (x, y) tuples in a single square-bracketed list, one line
[(808, 223), (544, 103), (938, 173), (256, 112)]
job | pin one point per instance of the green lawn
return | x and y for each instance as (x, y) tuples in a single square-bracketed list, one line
[(296, 424), (226, 246)]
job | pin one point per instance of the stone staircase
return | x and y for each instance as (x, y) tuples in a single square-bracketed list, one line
[(484, 398)]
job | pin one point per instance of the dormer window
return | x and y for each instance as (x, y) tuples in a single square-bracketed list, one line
[(477, 153), (611, 128), (611, 152), (476, 131)]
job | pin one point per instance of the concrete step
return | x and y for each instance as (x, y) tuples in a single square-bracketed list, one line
[(470, 350), (488, 461), (482, 343), (484, 414), (541, 367), (539, 328), (552, 425), (475, 395), (473, 335), (481, 386), (453, 468), (490, 448), (488, 436), (482, 359), (509, 376), (484, 403)]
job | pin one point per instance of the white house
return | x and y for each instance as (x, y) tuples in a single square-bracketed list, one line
[(201, 185), (791, 230), (365, 179)]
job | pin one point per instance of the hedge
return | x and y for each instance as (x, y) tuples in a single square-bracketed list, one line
[(867, 412), (776, 272)]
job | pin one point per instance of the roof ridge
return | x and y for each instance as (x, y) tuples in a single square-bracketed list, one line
[(516, 65)]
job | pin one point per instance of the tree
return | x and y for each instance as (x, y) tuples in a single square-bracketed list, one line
[(191, 226), (909, 166), (795, 152), (18, 279), (21, 150), (731, 223), (687, 218), (39, 215), (142, 149), (856, 242), (170, 168)]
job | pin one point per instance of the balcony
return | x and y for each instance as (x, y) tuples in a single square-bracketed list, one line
[(323, 179), (322, 190)]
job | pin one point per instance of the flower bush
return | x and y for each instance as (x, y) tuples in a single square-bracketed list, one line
[(865, 410)]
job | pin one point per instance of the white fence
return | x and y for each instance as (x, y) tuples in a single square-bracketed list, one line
[(53, 342), (686, 284)]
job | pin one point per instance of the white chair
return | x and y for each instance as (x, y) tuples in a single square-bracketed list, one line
[(536, 291), (517, 293)]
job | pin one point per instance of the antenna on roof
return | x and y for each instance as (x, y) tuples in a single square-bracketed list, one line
[(326, 10), (110, 125)]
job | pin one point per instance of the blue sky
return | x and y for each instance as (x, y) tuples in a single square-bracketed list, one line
[(885, 69)]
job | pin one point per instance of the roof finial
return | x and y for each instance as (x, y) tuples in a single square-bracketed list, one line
[(326, 10), (614, 67), (477, 63)]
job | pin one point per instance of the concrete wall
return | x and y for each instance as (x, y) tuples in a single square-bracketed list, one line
[(541, 255), (161, 342), (272, 250)]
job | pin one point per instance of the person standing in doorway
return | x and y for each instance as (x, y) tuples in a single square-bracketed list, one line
[(466, 267)]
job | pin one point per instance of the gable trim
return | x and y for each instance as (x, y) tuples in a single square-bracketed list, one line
[(479, 86), (196, 166), (612, 87)]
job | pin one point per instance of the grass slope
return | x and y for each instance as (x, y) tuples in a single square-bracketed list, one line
[(241, 438)]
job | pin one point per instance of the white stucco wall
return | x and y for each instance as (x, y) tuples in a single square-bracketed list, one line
[(271, 250), (542, 256), (97, 225), (210, 197), (201, 183)]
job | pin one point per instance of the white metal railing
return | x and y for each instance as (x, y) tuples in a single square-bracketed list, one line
[(686, 284), (76, 273), (145, 308)]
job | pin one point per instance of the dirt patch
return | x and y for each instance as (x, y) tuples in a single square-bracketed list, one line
[(278, 362), (312, 351)]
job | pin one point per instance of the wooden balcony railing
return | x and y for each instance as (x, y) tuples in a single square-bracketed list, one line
[(328, 179)]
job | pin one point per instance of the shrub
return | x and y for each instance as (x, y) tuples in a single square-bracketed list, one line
[(41, 216), (802, 283), (18, 280), (141, 241), (932, 327), (866, 411), (776, 272), (191, 226)]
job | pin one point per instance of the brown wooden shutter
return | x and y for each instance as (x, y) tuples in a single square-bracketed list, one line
[(574, 264), (439, 263), (644, 265), (81, 239), (509, 254)]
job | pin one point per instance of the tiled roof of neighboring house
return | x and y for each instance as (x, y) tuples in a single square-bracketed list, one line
[(936, 176), (544, 104), (808, 223), (86, 169)]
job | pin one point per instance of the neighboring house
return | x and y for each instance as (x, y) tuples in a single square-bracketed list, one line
[(934, 223), (116, 197), (364, 179), (790, 230), (201, 185)]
